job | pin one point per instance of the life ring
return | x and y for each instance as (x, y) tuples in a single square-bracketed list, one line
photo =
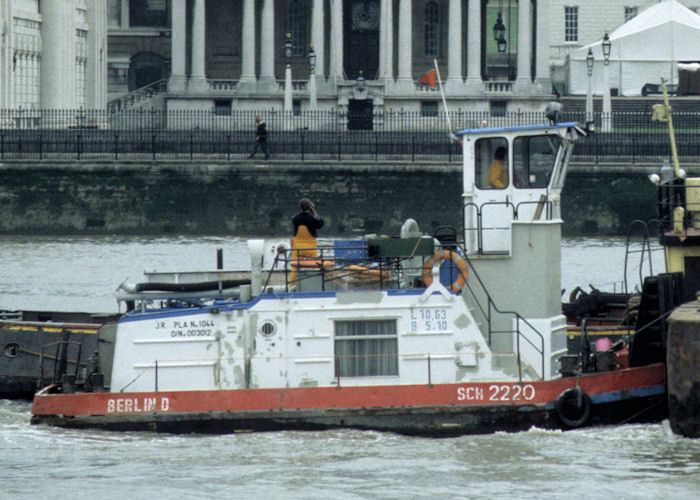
[(573, 407), (438, 257)]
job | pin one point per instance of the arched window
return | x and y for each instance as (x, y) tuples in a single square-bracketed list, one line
[(296, 26), (431, 38)]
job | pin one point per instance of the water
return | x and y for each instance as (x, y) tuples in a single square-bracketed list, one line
[(633, 461)]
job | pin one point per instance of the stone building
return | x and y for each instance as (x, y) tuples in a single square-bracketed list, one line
[(368, 54), (53, 54), (577, 23)]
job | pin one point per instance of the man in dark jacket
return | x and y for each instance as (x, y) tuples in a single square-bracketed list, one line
[(260, 139), (308, 217)]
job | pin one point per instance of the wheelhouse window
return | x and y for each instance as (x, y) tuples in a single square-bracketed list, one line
[(571, 24), (366, 348), (533, 160), (491, 167), (431, 34), (148, 13), (296, 26)]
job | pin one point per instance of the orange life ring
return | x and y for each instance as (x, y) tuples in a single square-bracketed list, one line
[(438, 257)]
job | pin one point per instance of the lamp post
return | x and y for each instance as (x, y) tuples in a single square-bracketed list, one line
[(499, 34), (589, 90), (312, 78), (606, 122), (288, 52)]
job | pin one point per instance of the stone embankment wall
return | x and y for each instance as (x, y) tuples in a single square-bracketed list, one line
[(257, 199)]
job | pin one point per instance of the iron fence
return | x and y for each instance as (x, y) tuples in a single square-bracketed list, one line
[(324, 135)]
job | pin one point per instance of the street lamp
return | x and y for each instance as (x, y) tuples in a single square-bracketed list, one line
[(288, 52), (312, 78), (606, 124), (499, 34), (589, 90)]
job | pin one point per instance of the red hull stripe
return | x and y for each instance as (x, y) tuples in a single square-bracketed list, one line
[(470, 393)]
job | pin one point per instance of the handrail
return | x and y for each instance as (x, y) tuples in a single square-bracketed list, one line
[(138, 95), (487, 314)]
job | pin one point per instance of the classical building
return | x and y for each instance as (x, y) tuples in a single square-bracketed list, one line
[(53, 54), (369, 54)]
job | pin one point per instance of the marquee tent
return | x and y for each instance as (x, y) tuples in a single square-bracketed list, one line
[(645, 49)]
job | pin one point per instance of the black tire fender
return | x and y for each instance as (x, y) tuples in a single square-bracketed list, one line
[(573, 407)]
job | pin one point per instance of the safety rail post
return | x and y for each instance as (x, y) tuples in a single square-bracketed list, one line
[(228, 147), (116, 145), (302, 145), (517, 344), (430, 379), (78, 145), (156, 375), (153, 146), (337, 372)]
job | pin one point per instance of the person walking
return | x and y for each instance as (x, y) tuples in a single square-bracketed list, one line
[(260, 139)]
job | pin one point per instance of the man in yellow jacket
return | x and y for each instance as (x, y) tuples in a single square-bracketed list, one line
[(498, 172)]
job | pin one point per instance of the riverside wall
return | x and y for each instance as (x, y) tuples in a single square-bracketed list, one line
[(258, 198)]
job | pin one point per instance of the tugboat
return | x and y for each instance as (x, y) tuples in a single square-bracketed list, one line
[(456, 332)]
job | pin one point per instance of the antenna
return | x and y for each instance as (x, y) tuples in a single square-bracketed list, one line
[(444, 102)]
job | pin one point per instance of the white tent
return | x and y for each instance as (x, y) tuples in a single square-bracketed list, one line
[(645, 49)]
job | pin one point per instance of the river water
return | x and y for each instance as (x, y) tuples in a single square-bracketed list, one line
[(68, 273)]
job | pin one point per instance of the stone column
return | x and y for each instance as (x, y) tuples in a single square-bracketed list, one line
[(96, 75), (248, 42), (58, 54), (124, 6), (198, 79), (524, 80), (178, 79), (336, 45), (267, 45), (386, 42), (318, 37), (543, 82), (454, 81), (474, 84), (405, 79)]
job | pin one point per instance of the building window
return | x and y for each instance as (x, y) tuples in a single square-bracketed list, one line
[(431, 40), (366, 348), (148, 13), (222, 107), (429, 108), (571, 24), (498, 108), (630, 12), (296, 26)]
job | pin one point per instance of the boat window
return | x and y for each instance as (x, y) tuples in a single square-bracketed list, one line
[(366, 348), (491, 169), (533, 160)]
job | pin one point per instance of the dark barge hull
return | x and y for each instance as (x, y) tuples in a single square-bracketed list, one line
[(616, 401), (31, 342)]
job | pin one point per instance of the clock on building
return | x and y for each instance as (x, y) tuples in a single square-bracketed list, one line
[(365, 16)]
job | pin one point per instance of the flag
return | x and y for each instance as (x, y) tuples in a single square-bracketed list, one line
[(429, 78)]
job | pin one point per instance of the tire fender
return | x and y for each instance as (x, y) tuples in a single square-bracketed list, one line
[(573, 407)]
